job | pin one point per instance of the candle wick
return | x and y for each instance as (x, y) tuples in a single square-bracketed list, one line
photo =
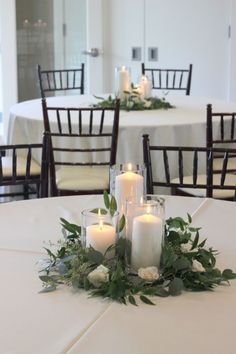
[(100, 225)]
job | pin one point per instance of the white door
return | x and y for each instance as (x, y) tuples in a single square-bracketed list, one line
[(78, 38), (183, 31)]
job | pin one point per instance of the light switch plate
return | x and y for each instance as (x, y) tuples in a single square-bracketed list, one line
[(152, 54), (136, 53)]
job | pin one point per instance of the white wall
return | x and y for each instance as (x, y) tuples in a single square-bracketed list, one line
[(192, 31), (124, 29), (8, 44), (185, 31)]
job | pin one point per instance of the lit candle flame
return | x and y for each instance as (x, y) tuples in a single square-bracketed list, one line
[(129, 166), (148, 210)]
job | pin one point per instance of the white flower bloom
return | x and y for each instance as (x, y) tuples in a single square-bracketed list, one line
[(147, 104), (149, 273), (197, 266), (98, 276), (186, 247)]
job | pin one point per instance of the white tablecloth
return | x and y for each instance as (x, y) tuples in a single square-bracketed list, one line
[(183, 125), (66, 321)]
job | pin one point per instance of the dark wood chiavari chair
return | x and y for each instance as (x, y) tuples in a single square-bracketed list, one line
[(81, 148), (18, 168), (206, 184), (169, 79), (221, 131), (61, 80)]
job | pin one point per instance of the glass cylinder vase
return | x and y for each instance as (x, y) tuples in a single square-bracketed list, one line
[(145, 230), (127, 182), (122, 81), (99, 230)]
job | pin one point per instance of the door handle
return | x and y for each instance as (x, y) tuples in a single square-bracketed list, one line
[(93, 52)]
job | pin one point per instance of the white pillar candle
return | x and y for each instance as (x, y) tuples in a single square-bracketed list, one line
[(146, 87), (100, 236), (128, 185), (146, 241), (124, 80)]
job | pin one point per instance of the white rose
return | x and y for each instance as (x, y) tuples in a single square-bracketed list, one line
[(186, 247), (197, 266), (149, 273), (98, 276), (147, 104)]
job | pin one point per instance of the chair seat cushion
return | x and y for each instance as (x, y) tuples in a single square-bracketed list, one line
[(35, 168), (217, 193), (82, 178), (218, 164)]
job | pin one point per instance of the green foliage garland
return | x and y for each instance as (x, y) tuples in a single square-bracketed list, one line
[(186, 265), (132, 101)]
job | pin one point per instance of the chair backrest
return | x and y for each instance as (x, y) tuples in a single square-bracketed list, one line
[(17, 168), (81, 137), (224, 132), (169, 79), (61, 80), (200, 156)]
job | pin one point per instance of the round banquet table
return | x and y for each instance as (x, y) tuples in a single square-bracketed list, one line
[(67, 321), (184, 125)]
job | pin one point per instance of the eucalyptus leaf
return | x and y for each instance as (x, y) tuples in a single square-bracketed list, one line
[(113, 206), (176, 286), (132, 300), (121, 223), (146, 300), (106, 199), (195, 242), (47, 289), (228, 274), (162, 292), (99, 211), (95, 256)]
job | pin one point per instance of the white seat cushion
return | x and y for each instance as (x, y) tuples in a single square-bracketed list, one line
[(82, 177), (35, 168), (218, 164), (217, 193)]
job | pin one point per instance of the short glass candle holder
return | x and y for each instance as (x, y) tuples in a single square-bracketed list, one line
[(127, 182), (122, 81), (145, 231), (99, 230)]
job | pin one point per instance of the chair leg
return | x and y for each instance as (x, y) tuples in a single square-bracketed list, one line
[(26, 191)]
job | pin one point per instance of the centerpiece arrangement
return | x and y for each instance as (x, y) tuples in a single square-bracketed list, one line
[(133, 97), (135, 256)]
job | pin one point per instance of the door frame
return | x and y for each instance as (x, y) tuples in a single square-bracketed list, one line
[(9, 59)]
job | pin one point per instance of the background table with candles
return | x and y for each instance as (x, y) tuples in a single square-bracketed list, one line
[(183, 125), (67, 321)]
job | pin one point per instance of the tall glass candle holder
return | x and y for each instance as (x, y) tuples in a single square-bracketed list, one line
[(99, 230), (122, 81), (127, 181), (145, 230)]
